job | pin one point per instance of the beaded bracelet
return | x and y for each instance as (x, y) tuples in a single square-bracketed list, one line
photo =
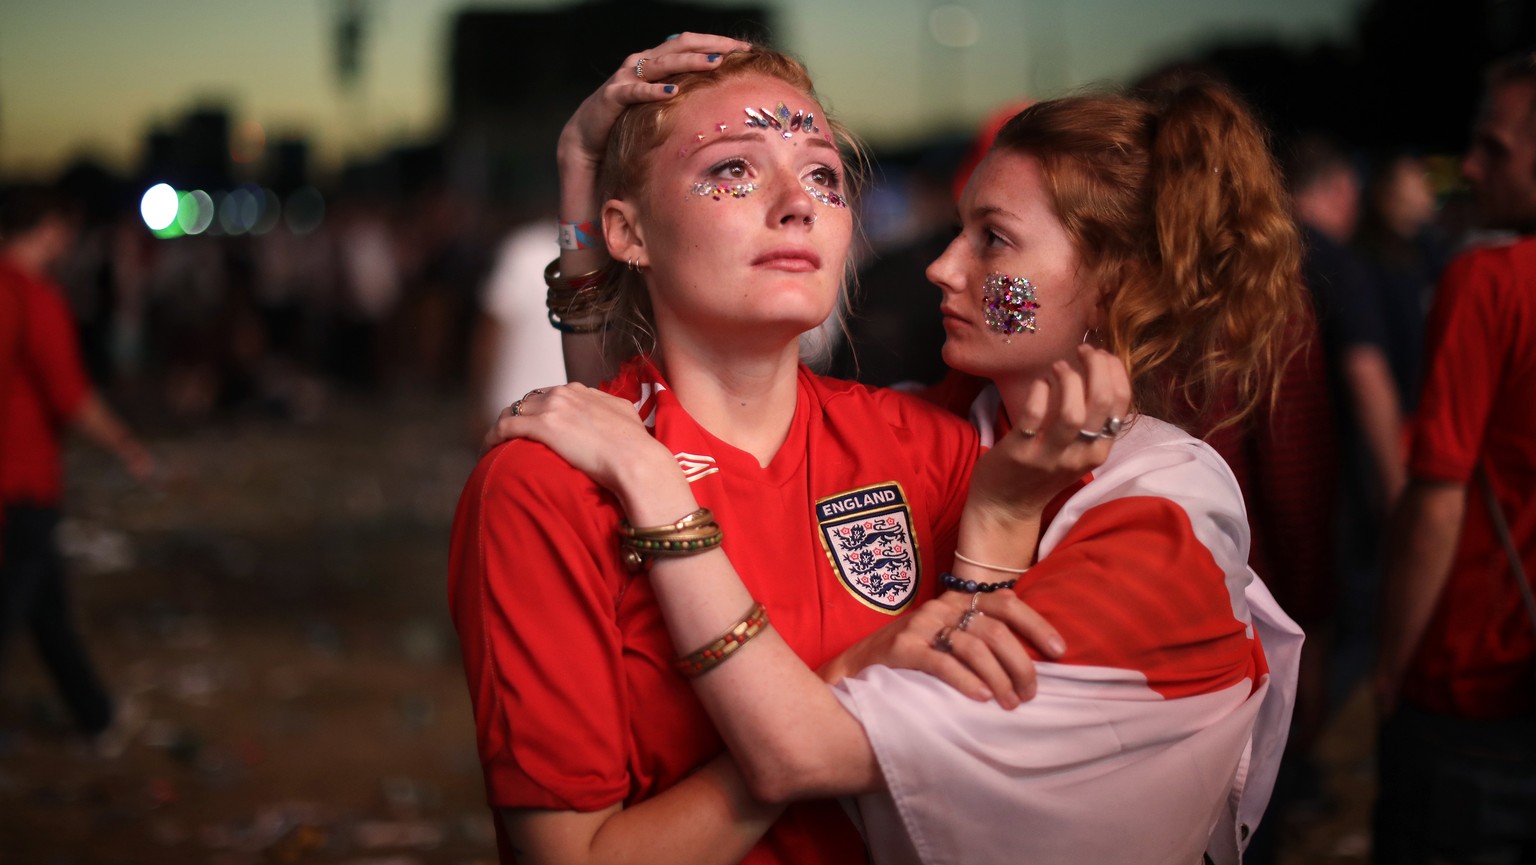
[(701, 661), (954, 583), (693, 534)]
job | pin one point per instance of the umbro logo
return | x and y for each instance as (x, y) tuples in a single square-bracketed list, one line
[(696, 466)]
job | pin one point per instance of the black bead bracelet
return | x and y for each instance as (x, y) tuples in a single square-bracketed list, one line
[(954, 583)]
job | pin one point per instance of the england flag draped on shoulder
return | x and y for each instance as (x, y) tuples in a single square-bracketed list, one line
[(1156, 739)]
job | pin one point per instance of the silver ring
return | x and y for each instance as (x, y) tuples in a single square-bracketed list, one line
[(967, 617), (1112, 427), (1089, 436), (1028, 433), (517, 407), (941, 640), (975, 602), (640, 68)]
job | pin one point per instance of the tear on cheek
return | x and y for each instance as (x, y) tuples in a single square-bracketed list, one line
[(1009, 302)]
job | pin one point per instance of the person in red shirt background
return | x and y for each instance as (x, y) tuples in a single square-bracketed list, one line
[(45, 392), (1456, 675)]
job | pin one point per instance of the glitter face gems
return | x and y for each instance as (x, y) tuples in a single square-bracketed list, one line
[(828, 197), (715, 190), (781, 120), (1010, 304)]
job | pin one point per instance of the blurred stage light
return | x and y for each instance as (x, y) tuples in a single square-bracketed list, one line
[(268, 210), (248, 142), (158, 206), (196, 212), (215, 227), (238, 213), (229, 214), (305, 211)]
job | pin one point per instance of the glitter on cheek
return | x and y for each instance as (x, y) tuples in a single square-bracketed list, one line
[(698, 136), (826, 196), (720, 127), (1010, 304), (715, 190)]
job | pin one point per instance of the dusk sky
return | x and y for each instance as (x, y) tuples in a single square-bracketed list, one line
[(89, 76)]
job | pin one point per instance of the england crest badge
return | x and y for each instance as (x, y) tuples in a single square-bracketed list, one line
[(867, 534)]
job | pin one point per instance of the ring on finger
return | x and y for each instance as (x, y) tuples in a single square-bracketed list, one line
[(1112, 427), (941, 640), (538, 391), (1028, 433), (976, 602), (517, 408), (967, 617), (640, 68)]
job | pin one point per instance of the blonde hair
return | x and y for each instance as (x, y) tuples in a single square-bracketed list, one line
[(1180, 219), (636, 137)]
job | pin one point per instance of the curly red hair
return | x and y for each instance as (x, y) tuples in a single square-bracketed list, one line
[(1180, 218)]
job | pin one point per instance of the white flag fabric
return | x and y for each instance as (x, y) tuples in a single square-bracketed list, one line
[(1155, 740)]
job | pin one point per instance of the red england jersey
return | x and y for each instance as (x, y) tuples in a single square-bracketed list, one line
[(1478, 408), (568, 659)]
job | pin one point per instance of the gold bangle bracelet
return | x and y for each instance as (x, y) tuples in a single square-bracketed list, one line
[(700, 517), (701, 661)]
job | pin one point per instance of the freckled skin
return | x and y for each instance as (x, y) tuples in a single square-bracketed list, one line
[(732, 240)]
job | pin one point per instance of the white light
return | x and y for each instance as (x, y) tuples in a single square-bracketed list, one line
[(201, 216), (234, 210), (229, 214), (158, 206)]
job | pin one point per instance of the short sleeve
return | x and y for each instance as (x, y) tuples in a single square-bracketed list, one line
[(535, 612), (1461, 371), (52, 356)]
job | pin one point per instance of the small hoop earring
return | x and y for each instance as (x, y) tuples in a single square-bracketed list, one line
[(634, 264), (1095, 336)]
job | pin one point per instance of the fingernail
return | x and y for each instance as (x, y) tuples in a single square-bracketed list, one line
[(712, 58), (983, 693), (1057, 645), (673, 36), (670, 88)]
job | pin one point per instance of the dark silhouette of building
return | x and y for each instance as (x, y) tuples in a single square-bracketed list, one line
[(514, 77)]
